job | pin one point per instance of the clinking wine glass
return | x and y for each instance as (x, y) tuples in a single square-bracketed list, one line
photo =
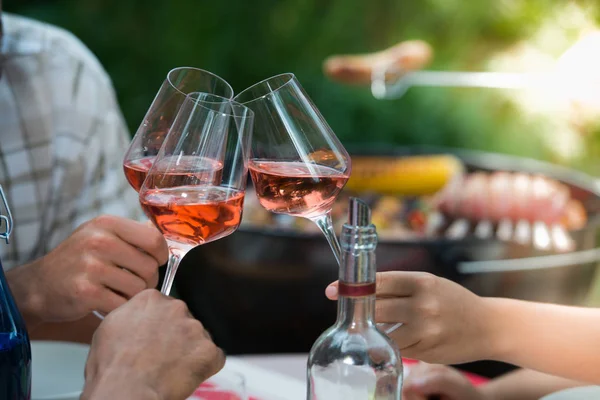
[(297, 164), (160, 116), (194, 191)]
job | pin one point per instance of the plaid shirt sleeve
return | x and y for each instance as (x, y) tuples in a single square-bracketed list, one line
[(62, 138)]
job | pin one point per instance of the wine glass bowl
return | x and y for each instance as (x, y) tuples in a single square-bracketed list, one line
[(194, 191), (136, 171), (151, 133), (192, 215), (297, 164), (296, 189)]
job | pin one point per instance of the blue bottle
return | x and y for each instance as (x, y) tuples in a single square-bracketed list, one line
[(15, 349)]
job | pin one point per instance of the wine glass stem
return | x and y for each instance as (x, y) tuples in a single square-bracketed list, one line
[(325, 223), (175, 257)]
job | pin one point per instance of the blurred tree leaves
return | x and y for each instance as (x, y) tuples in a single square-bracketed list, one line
[(245, 41)]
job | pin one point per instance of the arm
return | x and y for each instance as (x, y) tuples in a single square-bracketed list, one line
[(555, 339), (445, 323)]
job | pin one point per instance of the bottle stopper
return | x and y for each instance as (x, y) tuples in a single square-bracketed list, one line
[(359, 213)]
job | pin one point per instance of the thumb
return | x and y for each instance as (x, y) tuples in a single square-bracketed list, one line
[(332, 291)]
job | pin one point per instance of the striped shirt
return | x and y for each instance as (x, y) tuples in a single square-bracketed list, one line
[(62, 138)]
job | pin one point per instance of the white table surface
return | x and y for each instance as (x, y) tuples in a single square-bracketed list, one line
[(272, 377), (292, 365), (268, 377)]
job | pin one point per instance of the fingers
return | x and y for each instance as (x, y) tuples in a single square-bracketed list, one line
[(153, 280), (395, 284), (393, 310), (400, 310), (150, 296), (332, 291), (410, 55), (109, 301), (121, 281), (137, 234), (358, 69), (410, 386), (211, 361), (122, 254), (417, 372), (428, 380), (182, 309), (402, 283), (406, 339)]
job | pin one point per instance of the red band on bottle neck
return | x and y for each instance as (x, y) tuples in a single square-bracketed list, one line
[(356, 289)]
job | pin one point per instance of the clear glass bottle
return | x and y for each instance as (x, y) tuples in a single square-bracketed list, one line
[(354, 360)]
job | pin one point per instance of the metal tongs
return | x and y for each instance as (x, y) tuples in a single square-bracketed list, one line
[(382, 89), (576, 68), (6, 221)]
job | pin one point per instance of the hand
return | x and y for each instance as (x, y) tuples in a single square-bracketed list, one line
[(150, 348), (442, 321), (426, 380), (358, 69), (85, 272)]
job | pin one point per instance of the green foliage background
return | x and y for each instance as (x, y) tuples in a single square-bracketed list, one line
[(245, 41)]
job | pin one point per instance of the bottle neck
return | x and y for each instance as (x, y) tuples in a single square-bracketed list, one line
[(356, 312), (356, 305)]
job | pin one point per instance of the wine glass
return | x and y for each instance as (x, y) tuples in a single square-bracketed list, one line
[(298, 165), (194, 191), (156, 123), (158, 119)]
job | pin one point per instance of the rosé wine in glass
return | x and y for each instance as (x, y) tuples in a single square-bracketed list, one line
[(203, 170), (137, 170), (296, 188), (194, 214)]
